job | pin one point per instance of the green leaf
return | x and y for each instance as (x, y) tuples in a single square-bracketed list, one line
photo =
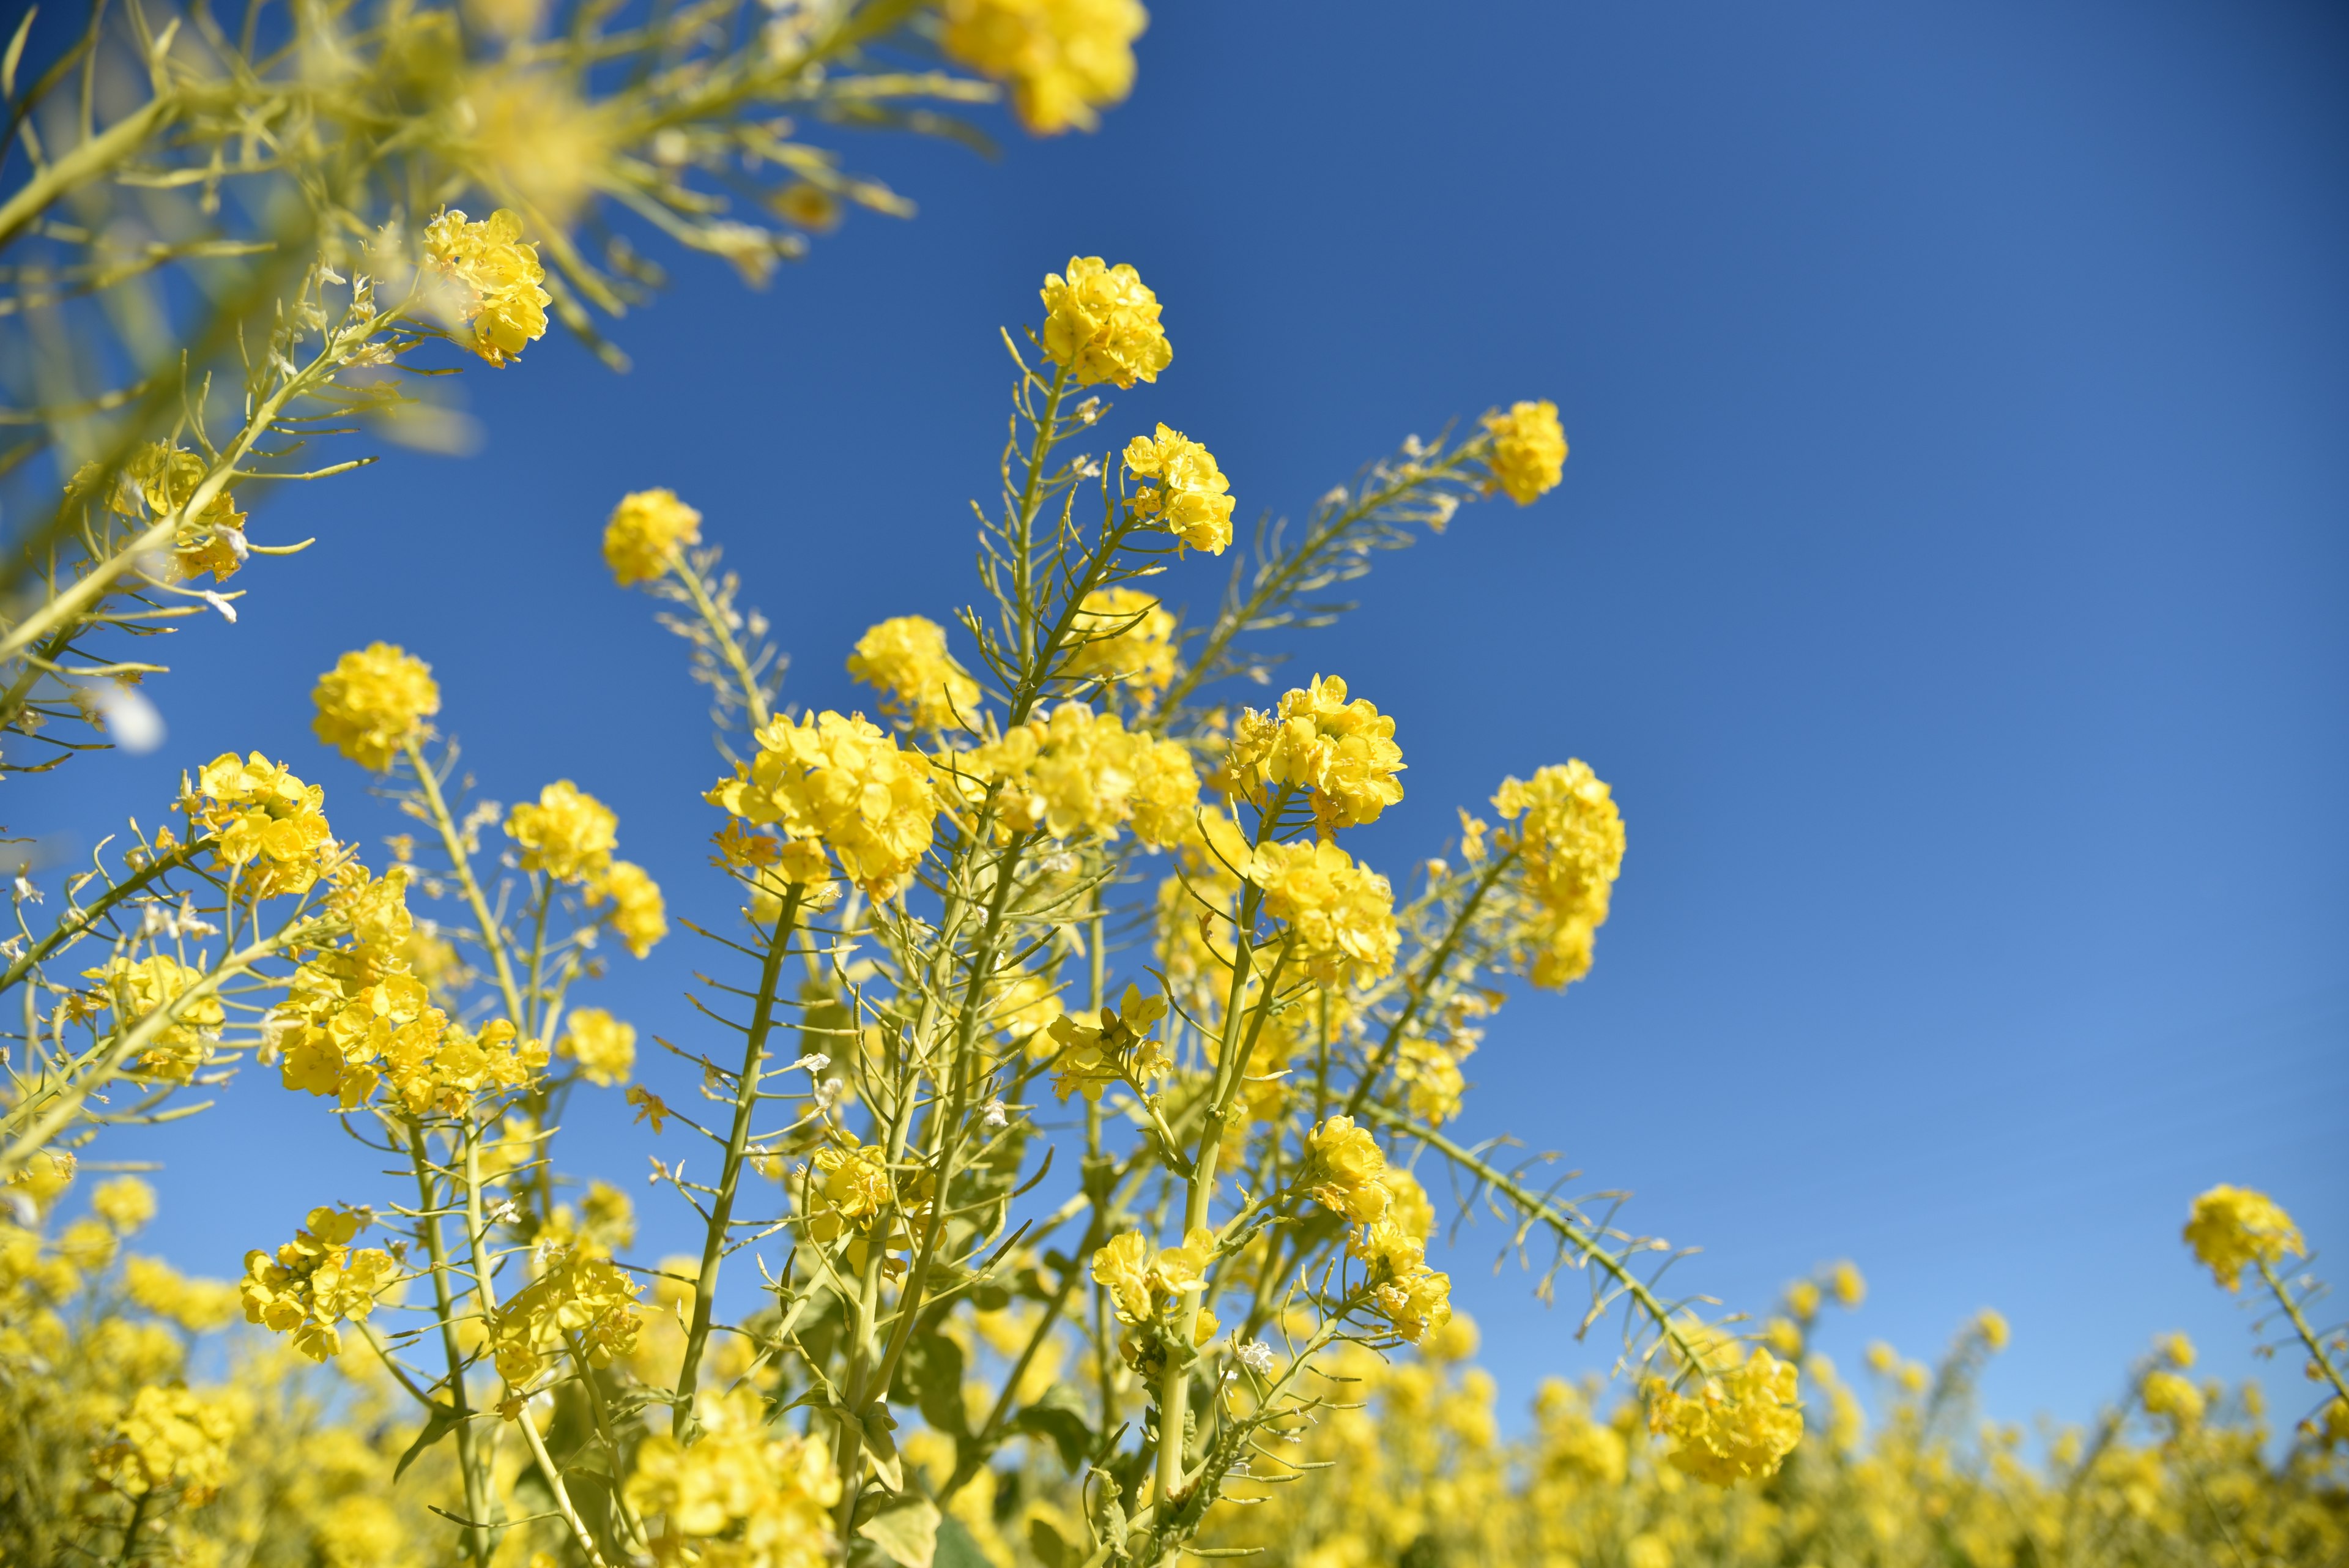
[(930, 1374), (1046, 1543), (907, 1531), (443, 1421), (955, 1547), (1064, 1427)]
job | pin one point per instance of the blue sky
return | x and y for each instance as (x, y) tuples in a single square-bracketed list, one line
[(1950, 576)]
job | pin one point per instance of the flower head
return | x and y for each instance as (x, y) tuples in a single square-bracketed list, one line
[(1341, 914), (135, 989), (579, 1298), (1342, 1170), (749, 1493), (1528, 453), (1192, 499), (648, 531), (493, 277), (1114, 1047), (639, 913), (1063, 58), (316, 1281), (2233, 1226), (269, 827), (604, 1047), (906, 657), (840, 780), (1739, 1423), (568, 833), (172, 1438), (1073, 773), (373, 703), (1342, 751), (1100, 323), (1144, 1281), (1130, 642), (1567, 833)]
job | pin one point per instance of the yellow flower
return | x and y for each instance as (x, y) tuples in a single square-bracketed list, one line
[(269, 827), (1192, 499), (1101, 324), (1528, 451), (197, 1305), (604, 1048), (1130, 642), (161, 478), (2177, 1349), (1315, 739), (906, 657), (1143, 1282), (1115, 1048), (1343, 1168), (1074, 772), (373, 703), (172, 1438), (1569, 837), (578, 1299), (1850, 1288), (136, 990), (1802, 1300), (315, 1281), (748, 1494), (843, 781), (1063, 58), (2233, 1226), (493, 280), (1740, 1424), (639, 914), (1414, 1299), (2168, 1394), (1991, 1323), (1341, 914), (648, 530), (568, 834), (126, 1203)]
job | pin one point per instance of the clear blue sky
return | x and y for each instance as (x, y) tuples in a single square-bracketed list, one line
[(1949, 576)]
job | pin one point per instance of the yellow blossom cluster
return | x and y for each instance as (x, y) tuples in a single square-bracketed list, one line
[(1739, 1423), (1128, 642), (1116, 1047), (269, 827), (126, 1203), (2166, 1394), (1101, 324), (647, 532), (1415, 1299), (905, 659), (604, 1047), (316, 1281), (374, 703), (160, 480), (490, 276), (1063, 59), (1075, 772), (580, 1298), (1343, 751), (840, 780), (1342, 1170), (170, 1438), (639, 913), (1528, 451), (747, 1494), (2232, 1228), (1567, 834), (197, 1305), (1341, 915), (566, 833), (850, 1190), (1144, 1281), (1192, 499), (138, 989)]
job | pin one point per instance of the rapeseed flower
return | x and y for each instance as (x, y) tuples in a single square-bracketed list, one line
[(1739, 1424), (1074, 773), (269, 827), (1528, 451), (1192, 499), (906, 657), (639, 914), (137, 989), (840, 780), (1343, 751), (748, 1493), (172, 1438), (648, 531), (374, 703), (1342, 1170), (316, 1281), (1130, 642), (491, 279), (568, 833), (2232, 1227), (579, 1299), (1341, 915), (604, 1046), (1062, 59), (1101, 324)]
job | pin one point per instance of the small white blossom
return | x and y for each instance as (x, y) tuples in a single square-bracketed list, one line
[(25, 892), (996, 1115), (1256, 1356), (814, 1061), (220, 602), (192, 924)]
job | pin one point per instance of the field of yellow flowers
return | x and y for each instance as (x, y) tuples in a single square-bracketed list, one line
[(1072, 1092)]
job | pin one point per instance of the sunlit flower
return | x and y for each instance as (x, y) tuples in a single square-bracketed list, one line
[(604, 1046), (1192, 499), (648, 530), (1101, 322), (1528, 453), (1062, 59), (566, 833), (493, 277), (373, 703), (2232, 1227), (906, 657)]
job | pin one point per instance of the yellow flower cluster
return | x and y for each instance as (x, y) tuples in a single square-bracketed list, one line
[(2233, 1226), (1115, 1048), (170, 1438), (1740, 1424), (851, 1191), (1528, 451), (1415, 1299), (1063, 59), (270, 827), (1075, 772), (1342, 1170), (746, 1495), (158, 480), (126, 1203), (1128, 642), (639, 913), (1315, 739), (568, 833), (197, 1305), (581, 1297), (373, 703), (840, 780), (905, 659), (1192, 499), (604, 1047), (2168, 1394), (1143, 1282), (1568, 837), (493, 277), (135, 989), (315, 1281), (1341, 914), (647, 532), (1101, 324)]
